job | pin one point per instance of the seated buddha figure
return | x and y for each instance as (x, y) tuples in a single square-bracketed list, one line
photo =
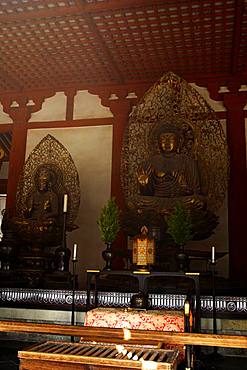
[(42, 203), (39, 216), (169, 176)]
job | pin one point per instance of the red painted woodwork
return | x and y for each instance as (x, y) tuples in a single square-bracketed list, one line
[(5, 127), (70, 104), (87, 43), (121, 109), (71, 123), (16, 162), (237, 199)]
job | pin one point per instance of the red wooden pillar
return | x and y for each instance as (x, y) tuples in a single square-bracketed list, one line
[(16, 162), (70, 104), (237, 198), (20, 114), (121, 109)]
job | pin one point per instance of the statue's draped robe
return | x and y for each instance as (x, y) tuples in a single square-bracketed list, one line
[(171, 175)]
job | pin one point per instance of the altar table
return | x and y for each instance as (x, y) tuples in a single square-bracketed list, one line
[(143, 278)]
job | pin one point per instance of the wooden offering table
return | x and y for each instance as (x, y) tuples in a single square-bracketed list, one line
[(143, 278), (91, 356)]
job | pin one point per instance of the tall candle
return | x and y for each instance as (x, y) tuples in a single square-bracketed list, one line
[(74, 252), (65, 203), (213, 255)]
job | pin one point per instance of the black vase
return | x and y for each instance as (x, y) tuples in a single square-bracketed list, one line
[(183, 260), (62, 258), (6, 256), (139, 301), (107, 257)]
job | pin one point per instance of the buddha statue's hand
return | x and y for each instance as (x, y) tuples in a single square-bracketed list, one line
[(143, 177), (26, 211), (47, 205)]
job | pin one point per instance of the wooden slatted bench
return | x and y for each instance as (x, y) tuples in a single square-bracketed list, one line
[(61, 355)]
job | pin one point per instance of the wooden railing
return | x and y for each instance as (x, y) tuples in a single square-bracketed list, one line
[(126, 335)]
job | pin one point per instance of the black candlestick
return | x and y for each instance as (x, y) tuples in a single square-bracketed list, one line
[(62, 253), (208, 361), (213, 264), (64, 231), (74, 261), (215, 355)]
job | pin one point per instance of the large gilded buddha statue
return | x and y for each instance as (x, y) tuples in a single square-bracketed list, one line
[(174, 151), (169, 174)]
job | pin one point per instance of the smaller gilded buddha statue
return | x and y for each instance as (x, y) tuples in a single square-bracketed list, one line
[(42, 204), (39, 220)]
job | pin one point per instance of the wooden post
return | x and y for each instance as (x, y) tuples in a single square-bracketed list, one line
[(237, 199)]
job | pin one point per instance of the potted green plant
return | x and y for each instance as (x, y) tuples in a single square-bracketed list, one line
[(109, 226), (181, 230)]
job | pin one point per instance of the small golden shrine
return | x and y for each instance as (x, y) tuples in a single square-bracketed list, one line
[(143, 250)]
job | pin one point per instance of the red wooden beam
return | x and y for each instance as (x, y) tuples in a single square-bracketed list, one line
[(71, 123), (239, 8), (6, 127)]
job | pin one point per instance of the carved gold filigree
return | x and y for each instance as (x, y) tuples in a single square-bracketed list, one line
[(52, 155), (173, 101)]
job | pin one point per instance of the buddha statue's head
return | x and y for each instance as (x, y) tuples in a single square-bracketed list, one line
[(169, 139), (43, 179), (168, 142)]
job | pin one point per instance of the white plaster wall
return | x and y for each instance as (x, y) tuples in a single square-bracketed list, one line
[(4, 117), (53, 109), (87, 105), (4, 170), (217, 106), (91, 149)]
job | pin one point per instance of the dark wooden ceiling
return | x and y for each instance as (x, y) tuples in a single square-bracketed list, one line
[(61, 43)]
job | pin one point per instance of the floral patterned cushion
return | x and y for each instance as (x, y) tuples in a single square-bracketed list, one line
[(163, 320)]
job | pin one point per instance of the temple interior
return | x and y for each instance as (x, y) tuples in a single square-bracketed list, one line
[(123, 139)]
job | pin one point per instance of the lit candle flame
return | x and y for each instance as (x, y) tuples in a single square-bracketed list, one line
[(127, 334), (149, 365), (120, 348)]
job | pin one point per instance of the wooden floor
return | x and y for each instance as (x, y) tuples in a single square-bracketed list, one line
[(9, 359)]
